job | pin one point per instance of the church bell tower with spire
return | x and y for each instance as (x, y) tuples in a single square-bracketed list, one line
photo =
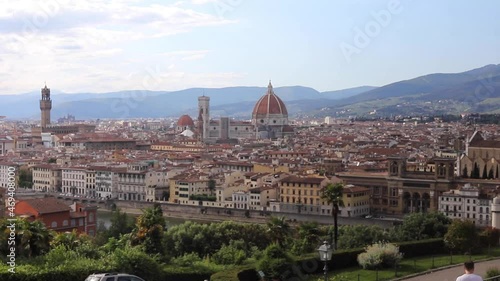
[(45, 107)]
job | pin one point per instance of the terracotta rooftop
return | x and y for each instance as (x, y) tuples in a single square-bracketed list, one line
[(47, 205)]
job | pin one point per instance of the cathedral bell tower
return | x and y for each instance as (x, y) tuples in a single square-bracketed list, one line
[(45, 107), (203, 117)]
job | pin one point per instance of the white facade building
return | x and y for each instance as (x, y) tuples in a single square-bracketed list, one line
[(104, 182), (74, 181), (5, 169), (466, 203)]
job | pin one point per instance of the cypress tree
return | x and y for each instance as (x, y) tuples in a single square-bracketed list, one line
[(465, 173), (475, 172), (485, 174)]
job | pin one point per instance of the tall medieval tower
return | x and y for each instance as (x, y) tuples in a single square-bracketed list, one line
[(203, 117), (45, 107)]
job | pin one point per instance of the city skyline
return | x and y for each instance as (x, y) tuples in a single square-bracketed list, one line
[(105, 46)]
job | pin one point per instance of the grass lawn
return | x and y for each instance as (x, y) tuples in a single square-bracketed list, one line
[(407, 267)]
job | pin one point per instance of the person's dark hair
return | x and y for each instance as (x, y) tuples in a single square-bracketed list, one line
[(469, 265)]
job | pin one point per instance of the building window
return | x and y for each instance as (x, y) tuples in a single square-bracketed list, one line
[(91, 217), (53, 224), (65, 222)]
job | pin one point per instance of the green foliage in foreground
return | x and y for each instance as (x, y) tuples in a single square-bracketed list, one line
[(380, 255), (409, 266), (492, 272)]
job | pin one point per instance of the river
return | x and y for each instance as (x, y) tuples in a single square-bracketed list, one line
[(105, 216)]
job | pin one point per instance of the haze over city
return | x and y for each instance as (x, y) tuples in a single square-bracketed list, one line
[(103, 46)]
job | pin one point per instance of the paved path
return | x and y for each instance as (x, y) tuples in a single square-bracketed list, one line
[(452, 273)]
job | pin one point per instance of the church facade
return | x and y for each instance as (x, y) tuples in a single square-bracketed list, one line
[(481, 159), (269, 120)]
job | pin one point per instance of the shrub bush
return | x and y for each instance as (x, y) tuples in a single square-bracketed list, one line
[(134, 261), (380, 255), (275, 262), (229, 254), (492, 272)]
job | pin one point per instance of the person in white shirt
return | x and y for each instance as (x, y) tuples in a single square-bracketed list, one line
[(469, 273)]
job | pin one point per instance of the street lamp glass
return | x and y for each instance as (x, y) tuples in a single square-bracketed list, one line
[(325, 252)]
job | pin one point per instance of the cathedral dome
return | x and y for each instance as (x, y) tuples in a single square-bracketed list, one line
[(269, 104), (184, 121)]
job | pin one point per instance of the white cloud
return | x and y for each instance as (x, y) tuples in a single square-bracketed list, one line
[(82, 45), (202, 2)]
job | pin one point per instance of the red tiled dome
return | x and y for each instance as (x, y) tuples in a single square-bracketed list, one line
[(185, 120), (269, 104)]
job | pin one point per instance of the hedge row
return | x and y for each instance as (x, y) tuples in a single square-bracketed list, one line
[(340, 259), (236, 274), (423, 248)]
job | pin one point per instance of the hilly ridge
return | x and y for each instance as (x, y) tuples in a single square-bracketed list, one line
[(476, 90)]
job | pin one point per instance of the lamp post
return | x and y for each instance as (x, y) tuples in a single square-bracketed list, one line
[(325, 255)]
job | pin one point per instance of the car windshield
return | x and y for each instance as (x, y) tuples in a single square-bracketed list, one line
[(92, 278)]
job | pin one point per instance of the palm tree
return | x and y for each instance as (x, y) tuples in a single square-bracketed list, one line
[(279, 230), (34, 238), (309, 233), (332, 194)]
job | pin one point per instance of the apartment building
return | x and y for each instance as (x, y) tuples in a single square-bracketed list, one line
[(303, 195), (140, 182), (47, 178), (104, 182), (74, 181), (9, 172), (356, 201), (466, 202), (188, 183)]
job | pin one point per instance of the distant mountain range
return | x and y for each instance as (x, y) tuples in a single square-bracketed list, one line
[(231, 101), (477, 90)]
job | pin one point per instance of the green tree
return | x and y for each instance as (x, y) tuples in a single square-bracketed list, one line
[(462, 236), (275, 262), (490, 236), (149, 230), (279, 230), (332, 194), (417, 226), (465, 173), (121, 224), (34, 237), (25, 178), (69, 240), (310, 233), (356, 236), (211, 185), (475, 172), (485, 173), (134, 261), (490, 173)]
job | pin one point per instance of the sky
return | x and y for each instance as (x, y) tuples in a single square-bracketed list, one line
[(112, 45)]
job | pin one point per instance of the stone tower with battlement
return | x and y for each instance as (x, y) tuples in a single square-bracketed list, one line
[(45, 107), (203, 117)]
